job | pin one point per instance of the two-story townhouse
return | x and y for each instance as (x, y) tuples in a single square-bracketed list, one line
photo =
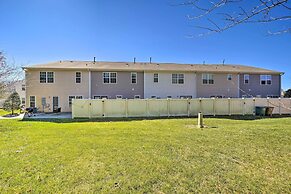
[(54, 85)]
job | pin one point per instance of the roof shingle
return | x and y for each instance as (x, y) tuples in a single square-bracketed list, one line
[(139, 66)]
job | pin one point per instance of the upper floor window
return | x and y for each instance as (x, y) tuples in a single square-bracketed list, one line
[(266, 79), (134, 78), (78, 77), (156, 78), (46, 77), (177, 78), (207, 79), (109, 77), (246, 78), (229, 77), (23, 87), (50, 77), (42, 77)]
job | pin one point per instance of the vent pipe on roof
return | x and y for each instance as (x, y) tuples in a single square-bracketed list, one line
[(134, 60), (150, 59), (94, 59)]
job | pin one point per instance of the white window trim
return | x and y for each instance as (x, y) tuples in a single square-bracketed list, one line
[(246, 75), (131, 77), (178, 79), (46, 77), (266, 80), (109, 77), (207, 78), (53, 77), (78, 77), (34, 101), (154, 78)]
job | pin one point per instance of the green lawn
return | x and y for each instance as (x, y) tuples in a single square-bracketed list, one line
[(151, 156)]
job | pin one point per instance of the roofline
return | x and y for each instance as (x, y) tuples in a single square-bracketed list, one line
[(163, 63)]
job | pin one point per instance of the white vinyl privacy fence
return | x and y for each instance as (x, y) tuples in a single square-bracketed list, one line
[(87, 108)]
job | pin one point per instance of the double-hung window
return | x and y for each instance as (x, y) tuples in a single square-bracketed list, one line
[(46, 77), (32, 101), (246, 78), (207, 78), (133, 77), (266, 79), (109, 77), (50, 77), (177, 78), (156, 78), (78, 77), (42, 77)]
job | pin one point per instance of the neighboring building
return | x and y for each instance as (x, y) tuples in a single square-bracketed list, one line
[(14, 86), (54, 85)]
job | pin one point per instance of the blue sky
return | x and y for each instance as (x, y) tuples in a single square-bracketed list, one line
[(34, 31)]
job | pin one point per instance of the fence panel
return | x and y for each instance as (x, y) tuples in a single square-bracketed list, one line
[(222, 106), (85, 108), (114, 108), (249, 106), (178, 107), (207, 106), (137, 107), (274, 103), (236, 106), (157, 107), (80, 108), (96, 108), (194, 107), (285, 105)]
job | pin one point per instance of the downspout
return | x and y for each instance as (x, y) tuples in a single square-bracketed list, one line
[(89, 89), (238, 85)]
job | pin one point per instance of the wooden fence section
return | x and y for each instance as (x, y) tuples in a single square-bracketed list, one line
[(88, 108)]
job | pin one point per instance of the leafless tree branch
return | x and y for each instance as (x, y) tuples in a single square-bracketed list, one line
[(261, 12)]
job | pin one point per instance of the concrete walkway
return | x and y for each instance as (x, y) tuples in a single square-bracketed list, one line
[(20, 117), (50, 116)]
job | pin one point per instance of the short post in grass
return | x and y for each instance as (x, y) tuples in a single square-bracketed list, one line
[(200, 120)]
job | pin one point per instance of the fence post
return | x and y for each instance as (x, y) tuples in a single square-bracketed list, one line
[(243, 106), (103, 108), (188, 107), (90, 109), (280, 112), (147, 107), (126, 108), (229, 109), (168, 106), (200, 106), (254, 106), (214, 103)]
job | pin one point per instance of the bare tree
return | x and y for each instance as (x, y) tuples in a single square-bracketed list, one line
[(8, 73), (220, 19)]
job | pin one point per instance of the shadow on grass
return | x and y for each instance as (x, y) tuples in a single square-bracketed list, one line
[(68, 120)]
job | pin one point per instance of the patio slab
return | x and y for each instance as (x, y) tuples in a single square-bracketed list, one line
[(50, 116)]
